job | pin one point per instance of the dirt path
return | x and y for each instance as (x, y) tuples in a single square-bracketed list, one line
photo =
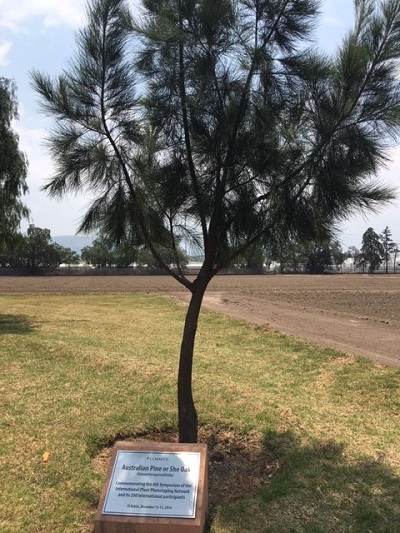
[(345, 332), (353, 313)]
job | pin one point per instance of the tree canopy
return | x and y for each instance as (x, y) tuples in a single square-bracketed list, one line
[(388, 246), (104, 252), (13, 165), (371, 253), (35, 250), (220, 122)]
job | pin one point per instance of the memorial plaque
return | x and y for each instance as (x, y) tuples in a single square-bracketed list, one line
[(157, 487), (154, 484)]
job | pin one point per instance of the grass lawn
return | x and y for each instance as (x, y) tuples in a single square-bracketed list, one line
[(78, 371)]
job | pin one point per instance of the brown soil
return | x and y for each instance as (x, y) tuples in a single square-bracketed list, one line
[(356, 314)]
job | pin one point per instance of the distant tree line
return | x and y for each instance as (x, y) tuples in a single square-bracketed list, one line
[(36, 250), (104, 252), (317, 257), (312, 257)]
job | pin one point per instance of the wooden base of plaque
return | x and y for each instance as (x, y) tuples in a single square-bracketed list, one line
[(125, 523)]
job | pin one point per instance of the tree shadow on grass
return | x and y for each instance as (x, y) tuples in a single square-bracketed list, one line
[(276, 484), (318, 489), (15, 324)]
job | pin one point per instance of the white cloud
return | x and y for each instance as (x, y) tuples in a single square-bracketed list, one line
[(5, 47), (15, 15)]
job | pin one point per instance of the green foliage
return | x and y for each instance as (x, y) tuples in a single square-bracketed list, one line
[(371, 253), (67, 255), (168, 256), (241, 133), (337, 254), (313, 257), (35, 250), (318, 258), (388, 246), (13, 166), (104, 253), (253, 257), (11, 251), (352, 252)]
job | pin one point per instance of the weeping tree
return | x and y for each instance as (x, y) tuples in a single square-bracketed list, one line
[(13, 166), (219, 123)]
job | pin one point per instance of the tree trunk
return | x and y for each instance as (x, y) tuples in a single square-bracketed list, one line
[(187, 414)]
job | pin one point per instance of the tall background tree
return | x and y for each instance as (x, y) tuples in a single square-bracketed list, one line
[(13, 166), (371, 253), (395, 256), (240, 132), (388, 247)]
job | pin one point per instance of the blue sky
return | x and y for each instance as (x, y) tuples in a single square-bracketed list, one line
[(39, 34)]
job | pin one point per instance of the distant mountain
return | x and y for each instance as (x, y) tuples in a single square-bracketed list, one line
[(76, 243)]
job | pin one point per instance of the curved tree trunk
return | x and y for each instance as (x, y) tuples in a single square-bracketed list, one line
[(187, 414)]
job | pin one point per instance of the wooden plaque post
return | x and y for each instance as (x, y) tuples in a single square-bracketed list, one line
[(154, 487)]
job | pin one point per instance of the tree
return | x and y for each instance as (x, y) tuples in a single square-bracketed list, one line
[(66, 255), (253, 257), (371, 253), (352, 252), (124, 255), (311, 256), (99, 254), (38, 251), (216, 123), (388, 245), (168, 256), (318, 256), (395, 254), (13, 165), (11, 252), (289, 254), (35, 250), (337, 254), (105, 253)]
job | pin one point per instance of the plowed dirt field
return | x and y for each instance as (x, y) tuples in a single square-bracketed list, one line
[(357, 314)]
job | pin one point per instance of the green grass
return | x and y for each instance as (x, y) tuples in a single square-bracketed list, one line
[(79, 370)]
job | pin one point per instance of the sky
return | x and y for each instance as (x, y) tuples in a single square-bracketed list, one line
[(40, 35)]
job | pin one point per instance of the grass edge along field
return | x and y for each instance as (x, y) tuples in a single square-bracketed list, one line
[(80, 370)]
